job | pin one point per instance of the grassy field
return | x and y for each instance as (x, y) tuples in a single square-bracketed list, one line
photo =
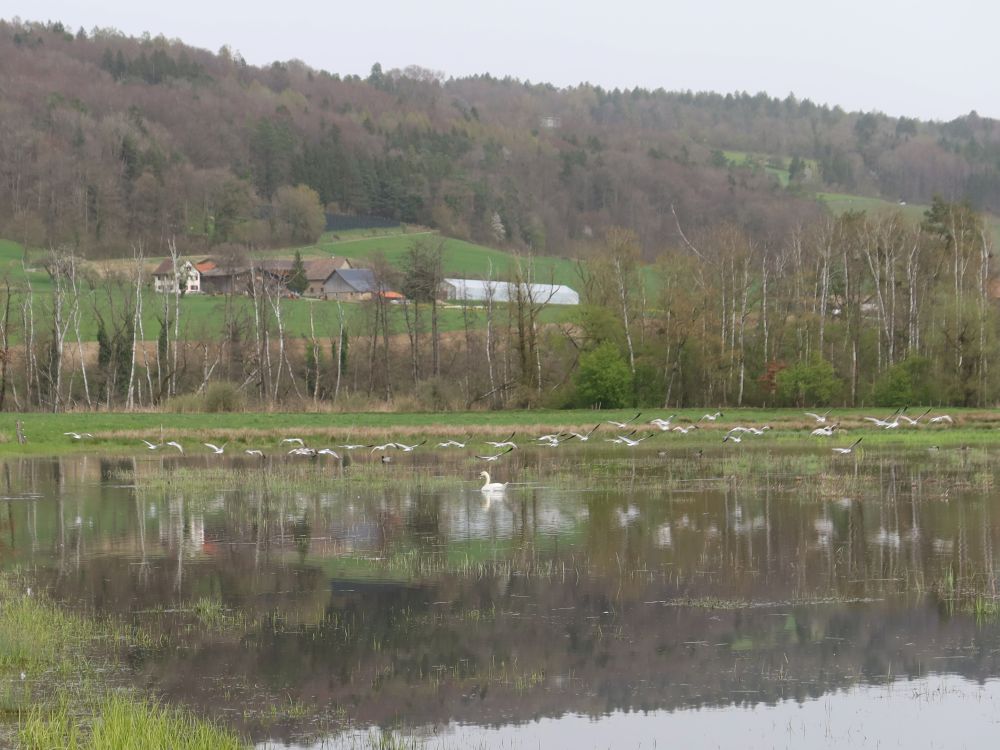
[(122, 432), (461, 259), (746, 159), (204, 315), (839, 203)]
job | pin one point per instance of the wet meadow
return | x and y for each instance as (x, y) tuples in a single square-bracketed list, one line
[(769, 593)]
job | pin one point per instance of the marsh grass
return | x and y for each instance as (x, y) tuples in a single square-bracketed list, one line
[(36, 634), (811, 476), (212, 615), (56, 666), (984, 608), (121, 432), (122, 722), (282, 478)]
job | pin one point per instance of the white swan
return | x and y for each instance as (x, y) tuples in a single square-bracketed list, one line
[(491, 486)]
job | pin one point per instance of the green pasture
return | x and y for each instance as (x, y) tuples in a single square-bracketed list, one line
[(121, 432), (751, 160), (747, 160), (461, 259), (839, 203), (203, 316)]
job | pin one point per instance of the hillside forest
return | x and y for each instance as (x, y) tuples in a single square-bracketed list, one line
[(709, 270)]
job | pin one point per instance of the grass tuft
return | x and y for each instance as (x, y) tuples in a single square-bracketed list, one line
[(122, 722)]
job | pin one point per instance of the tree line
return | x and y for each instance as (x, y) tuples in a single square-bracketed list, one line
[(859, 309)]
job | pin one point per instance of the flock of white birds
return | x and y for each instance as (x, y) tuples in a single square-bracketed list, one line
[(826, 428)]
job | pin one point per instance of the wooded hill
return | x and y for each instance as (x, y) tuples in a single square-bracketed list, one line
[(107, 140)]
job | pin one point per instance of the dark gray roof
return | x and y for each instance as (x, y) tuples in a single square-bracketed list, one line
[(360, 279)]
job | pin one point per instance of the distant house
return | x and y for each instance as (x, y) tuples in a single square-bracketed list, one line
[(227, 278), (357, 284), (187, 275), (350, 284), (278, 268), (476, 290), (318, 272)]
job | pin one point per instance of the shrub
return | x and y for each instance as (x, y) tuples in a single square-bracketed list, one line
[(603, 378), (223, 396), (907, 382), (439, 394), (808, 384)]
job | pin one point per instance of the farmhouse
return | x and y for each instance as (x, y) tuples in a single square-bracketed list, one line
[(188, 276), (350, 284), (318, 273), (475, 290), (278, 268), (224, 279), (233, 276)]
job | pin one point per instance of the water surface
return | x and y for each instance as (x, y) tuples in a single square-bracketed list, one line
[(766, 597)]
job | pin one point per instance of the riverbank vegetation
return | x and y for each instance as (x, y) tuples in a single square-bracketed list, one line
[(58, 668)]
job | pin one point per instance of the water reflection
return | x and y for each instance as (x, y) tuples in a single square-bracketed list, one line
[(721, 582)]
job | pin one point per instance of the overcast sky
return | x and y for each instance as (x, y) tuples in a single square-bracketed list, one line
[(915, 58)]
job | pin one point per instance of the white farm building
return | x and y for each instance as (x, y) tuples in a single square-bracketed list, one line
[(476, 290)]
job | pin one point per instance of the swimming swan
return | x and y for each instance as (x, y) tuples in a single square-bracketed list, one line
[(491, 486)]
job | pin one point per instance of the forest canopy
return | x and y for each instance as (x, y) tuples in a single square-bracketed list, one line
[(108, 140)]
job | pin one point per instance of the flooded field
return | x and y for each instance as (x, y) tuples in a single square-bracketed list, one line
[(766, 596)]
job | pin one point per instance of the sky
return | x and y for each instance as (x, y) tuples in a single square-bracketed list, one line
[(932, 61)]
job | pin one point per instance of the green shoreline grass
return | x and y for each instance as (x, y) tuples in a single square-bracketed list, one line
[(59, 664), (120, 432)]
